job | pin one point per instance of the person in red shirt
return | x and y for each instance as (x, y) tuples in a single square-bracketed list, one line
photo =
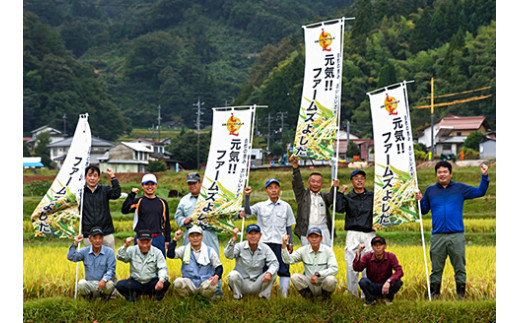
[(383, 272)]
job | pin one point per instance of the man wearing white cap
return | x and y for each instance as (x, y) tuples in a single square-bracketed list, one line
[(184, 213), (150, 212), (319, 263), (201, 268), (249, 277)]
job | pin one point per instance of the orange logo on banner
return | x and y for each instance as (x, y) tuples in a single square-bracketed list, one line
[(325, 40), (233, 124), (391, 105)]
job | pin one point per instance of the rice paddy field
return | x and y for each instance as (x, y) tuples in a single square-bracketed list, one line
[(49, 278)]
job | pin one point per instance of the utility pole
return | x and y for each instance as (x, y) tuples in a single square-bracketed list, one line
[(64, 124), (432, 106), (268, 130), (281, 116), (197, 124), (159, 122)]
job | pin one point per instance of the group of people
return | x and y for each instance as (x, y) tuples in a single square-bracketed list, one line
[(267, 251)]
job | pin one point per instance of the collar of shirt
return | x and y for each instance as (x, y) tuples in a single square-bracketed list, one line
[(258, 247), (373, 257), (92, 190), (101, 251), (319, 250), (442, 187)]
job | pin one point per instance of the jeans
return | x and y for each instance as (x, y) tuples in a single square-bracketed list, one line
[(373, 290)]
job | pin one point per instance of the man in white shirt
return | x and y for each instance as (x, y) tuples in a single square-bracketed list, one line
[(319, 263), (275, 217)]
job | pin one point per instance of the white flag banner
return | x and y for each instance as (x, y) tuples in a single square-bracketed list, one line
[(321, 94), (395, 174), (58, 211), (227, 168)]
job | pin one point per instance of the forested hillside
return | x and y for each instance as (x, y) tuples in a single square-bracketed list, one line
[(120, 59)]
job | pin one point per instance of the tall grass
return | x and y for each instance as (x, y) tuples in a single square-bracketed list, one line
[(47, 273)]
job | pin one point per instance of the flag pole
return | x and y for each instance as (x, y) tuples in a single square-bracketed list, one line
[(338, 123), (251, 134), (79, 244), (419, 204)]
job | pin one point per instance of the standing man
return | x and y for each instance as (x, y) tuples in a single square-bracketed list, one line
[(358, 207), (148, 270), (319, 263), (183, 217), (99, 263), (249, 277), (96, 210), (275, 217), (445, 199), (201, 268), (313, 205), (150, 212), (383, 272)]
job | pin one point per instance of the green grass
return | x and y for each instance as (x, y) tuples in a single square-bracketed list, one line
[(341, 308)]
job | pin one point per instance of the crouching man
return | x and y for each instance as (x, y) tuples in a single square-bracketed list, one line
[(383, 272), (319, 263), (201, 268), (251, 257), (148, 269), (99, 263)]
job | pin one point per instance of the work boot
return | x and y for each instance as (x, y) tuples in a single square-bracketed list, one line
[(306, 293), (325, 296), (461, 291), (435, 290)]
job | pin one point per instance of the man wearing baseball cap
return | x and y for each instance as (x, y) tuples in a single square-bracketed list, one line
[(383, 272), (151, 212), (319, 263), (358, 208), (184, 213), (148, 269), (201, 268), (251, 257), (99, 263), (276, 219)]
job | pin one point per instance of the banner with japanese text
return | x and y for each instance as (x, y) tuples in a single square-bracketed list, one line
[(321, 94), (57, 213), (395, 183), (227, 169)]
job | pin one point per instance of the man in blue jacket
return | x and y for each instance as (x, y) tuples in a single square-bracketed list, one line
[(445, 199)]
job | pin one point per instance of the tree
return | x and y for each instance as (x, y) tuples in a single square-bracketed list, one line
[(184, 148), (41, 149), (473, 140), (155, 166)]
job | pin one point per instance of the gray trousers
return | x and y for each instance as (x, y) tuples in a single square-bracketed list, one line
[(442, 246), (241, 286), (185, 287)]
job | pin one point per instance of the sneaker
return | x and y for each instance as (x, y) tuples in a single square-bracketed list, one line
[(387, 301)]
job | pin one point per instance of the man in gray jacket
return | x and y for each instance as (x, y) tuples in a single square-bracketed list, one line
[(313, 205)]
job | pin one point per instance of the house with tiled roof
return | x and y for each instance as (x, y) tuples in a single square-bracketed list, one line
[(450, 133)]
